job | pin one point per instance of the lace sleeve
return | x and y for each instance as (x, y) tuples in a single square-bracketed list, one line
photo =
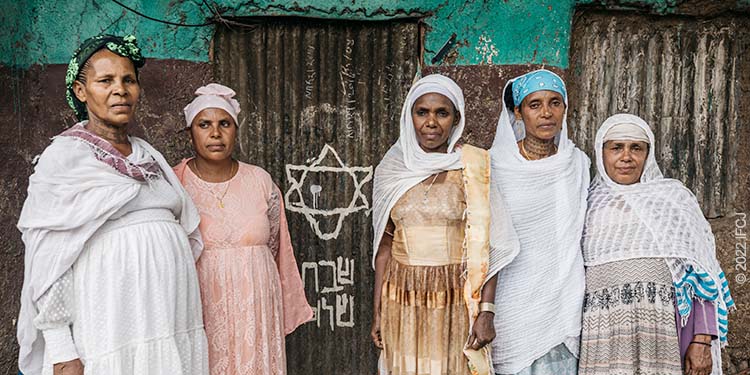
[(56, 311), (274, 220)]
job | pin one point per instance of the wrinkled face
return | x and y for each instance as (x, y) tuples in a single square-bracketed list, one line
[(624, 160), (542, 113), (213, 133), (111, 89), (434, 116)]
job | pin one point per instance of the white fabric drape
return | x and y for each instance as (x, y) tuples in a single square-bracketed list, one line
[(670, 225), (540, 293), (70, 196), (406, 164)]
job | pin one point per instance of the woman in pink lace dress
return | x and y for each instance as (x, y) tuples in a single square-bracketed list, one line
[(250, 285)]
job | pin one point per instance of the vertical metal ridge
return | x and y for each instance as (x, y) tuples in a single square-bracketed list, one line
[(305, 85), (682, 76)]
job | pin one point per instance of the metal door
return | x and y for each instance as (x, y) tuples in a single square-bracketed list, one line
[(320, 107)]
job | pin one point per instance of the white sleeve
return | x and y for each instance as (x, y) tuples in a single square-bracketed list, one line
[(56, 311)]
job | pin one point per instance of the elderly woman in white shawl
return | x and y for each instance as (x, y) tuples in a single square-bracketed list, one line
[(434, 266), (542, 177), (656, 297), (110, 286)]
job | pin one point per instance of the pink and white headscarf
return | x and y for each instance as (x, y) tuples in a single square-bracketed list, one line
[(212, 95)]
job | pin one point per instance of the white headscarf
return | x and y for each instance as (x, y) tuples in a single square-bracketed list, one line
[(626, 132), (212, 95), (540, 293), (656, 217), (406, 164)]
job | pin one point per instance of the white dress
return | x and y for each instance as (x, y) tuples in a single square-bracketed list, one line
[(131, 303)]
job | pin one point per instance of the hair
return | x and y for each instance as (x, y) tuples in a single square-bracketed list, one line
[(508, 97), (83, 71), (87, 65)]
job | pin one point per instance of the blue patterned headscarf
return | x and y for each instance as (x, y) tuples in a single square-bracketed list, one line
[(537, 80)]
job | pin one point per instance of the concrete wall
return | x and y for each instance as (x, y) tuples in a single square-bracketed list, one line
[(496, 40)]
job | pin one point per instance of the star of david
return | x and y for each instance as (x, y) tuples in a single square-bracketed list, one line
[(358, 203)]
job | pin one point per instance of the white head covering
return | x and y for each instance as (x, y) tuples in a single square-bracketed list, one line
[(212, 95), (540, 293), (626, 131), (656, 218), (620, 127), (415, 157), (406, 164)]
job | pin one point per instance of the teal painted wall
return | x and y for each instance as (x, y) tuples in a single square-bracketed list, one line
[(488, 32), (498, 32)]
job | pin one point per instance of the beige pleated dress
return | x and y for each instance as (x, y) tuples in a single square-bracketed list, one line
[(424, 320)]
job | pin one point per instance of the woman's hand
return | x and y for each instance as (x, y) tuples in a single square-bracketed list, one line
[(698, 356), (74, 367), (375, 332), (483, 331)]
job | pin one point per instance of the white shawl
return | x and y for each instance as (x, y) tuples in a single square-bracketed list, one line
[(406, 164), (670, 225), (540, 293), (70, 195)]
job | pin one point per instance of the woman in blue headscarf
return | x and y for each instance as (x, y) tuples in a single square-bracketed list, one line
[(542, 178)]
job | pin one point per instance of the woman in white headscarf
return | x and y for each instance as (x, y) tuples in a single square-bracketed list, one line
[(435, 263), (656, 297), (251, 289), (542, 177)]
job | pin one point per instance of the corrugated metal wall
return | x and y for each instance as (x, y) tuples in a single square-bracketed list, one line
[(321, 102), (682, 75)]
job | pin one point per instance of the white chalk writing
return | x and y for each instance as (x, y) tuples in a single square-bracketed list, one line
[(294, 197), (332, 299)]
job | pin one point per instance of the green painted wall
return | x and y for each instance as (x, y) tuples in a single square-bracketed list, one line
[(500, 32), (488, 32)]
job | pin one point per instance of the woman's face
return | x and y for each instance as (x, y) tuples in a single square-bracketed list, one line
[(213, 133), (434, 116), (111, 90), (542, 113), (624, 160)]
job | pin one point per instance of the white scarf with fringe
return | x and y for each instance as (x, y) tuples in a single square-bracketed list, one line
[(540, 293), (668, 223)]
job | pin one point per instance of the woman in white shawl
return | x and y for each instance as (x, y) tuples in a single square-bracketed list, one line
[(656, 297), (542, 178), (110, 286), (434, 266)]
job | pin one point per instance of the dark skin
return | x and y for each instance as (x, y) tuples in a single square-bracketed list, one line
[(110, 91), (624, 161), (213, 133), (698, 357), (542, 113), (434, 117)]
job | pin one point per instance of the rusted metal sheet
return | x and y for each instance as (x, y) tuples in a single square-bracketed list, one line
[(320, 107), (682, 76)]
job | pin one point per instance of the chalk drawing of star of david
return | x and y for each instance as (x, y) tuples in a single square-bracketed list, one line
[(358, 203)]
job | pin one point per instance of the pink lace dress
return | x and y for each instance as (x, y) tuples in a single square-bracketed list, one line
[(250, 285)]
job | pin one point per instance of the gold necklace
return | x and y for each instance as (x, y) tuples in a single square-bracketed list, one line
[(210, 190), (427, 191)]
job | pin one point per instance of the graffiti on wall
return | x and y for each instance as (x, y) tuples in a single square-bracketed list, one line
[(312, 208), (332, 279)]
